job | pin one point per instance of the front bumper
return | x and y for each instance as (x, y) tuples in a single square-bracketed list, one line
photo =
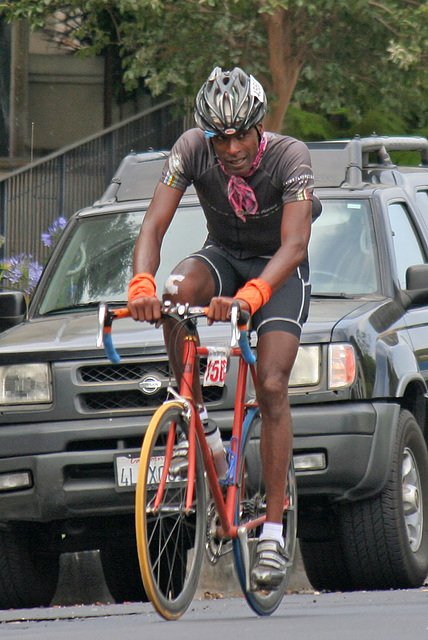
[(72, 463), (357, 440)]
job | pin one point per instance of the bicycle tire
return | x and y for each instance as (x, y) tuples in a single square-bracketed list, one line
[(252, 504), (169, 572)]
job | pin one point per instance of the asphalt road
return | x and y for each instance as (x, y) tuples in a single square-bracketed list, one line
[(387, 615)]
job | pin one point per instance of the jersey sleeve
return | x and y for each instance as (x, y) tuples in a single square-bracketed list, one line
[(297, 173), (180, 169), (298, 177)]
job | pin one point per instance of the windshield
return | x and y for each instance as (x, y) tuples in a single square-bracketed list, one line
[(96, 264), (342, 249)]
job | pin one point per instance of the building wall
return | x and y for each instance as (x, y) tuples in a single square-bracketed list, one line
[(54, 98), (65, 99)]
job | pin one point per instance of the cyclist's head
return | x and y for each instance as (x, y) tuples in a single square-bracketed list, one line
[(229, 102)]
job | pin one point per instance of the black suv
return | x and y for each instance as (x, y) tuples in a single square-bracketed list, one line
[(71, 422)]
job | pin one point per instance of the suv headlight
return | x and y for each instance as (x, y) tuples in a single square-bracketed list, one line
[(341, 365), (25, 384), (306, 369)]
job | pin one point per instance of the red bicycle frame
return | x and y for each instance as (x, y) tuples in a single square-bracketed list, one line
[(225, 508)]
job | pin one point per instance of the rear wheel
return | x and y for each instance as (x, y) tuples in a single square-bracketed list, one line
[(252, 505), (170, 540)]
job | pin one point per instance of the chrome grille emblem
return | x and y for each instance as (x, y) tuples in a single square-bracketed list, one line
[(149, 385)]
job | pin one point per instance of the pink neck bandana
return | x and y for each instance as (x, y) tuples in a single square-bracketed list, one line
[(240, 194)]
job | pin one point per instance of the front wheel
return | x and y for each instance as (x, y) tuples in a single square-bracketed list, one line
[(385, 538), (380, 542), (252, 504), (170, 539)]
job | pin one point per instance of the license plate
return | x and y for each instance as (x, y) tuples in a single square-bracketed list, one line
[(127, 466)]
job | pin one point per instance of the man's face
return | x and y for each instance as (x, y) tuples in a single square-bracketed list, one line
[(238, 151)]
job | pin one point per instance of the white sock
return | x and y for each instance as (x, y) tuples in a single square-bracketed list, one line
[(272, 531)]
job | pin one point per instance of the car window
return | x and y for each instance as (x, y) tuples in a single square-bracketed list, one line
[(342, 249), (96, 264), (407, 247), (422, 202)]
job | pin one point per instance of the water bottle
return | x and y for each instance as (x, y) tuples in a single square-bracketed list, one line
[(215, 443)]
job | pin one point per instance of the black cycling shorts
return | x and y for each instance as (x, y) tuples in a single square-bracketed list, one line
[(288, 307)]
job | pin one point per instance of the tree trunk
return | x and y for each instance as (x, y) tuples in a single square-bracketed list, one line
[(284, 65)]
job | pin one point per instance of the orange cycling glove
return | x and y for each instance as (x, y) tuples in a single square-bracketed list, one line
[(255, 293), (142, 285)]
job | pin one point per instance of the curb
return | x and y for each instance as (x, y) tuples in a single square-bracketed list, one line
[(81, 580)]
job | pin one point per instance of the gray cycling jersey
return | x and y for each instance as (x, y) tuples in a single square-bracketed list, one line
[(284, 175)]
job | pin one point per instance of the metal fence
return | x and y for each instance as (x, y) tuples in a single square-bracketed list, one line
[(59, 184)]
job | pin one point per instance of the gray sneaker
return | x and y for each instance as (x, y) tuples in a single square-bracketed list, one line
[(269, 568)]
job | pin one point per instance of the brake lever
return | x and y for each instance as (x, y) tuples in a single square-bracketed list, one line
[(102, 315), (234, 317)]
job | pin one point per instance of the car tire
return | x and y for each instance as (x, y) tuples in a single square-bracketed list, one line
[(121, 569), (385, 538), (29, 566), (324, 564), (381, 542)]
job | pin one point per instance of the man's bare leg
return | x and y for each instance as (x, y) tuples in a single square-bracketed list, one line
[(192, 282), (276, 353)]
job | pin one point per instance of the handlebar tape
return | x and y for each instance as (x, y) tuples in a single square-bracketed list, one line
[(110, 350), (247, 354)]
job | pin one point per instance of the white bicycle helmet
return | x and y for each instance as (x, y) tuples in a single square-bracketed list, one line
[(229, 101)]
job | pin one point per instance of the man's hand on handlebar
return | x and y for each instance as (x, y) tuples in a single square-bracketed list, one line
[(146, 310), (219, 309)]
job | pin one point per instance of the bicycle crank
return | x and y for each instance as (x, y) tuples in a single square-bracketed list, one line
[(215, 546)]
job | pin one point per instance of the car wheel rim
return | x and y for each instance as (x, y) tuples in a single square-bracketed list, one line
[(412, 500)]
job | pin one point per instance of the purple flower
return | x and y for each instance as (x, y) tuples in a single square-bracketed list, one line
[(53, 232), (46, 239), (34, 272), (22, 271)]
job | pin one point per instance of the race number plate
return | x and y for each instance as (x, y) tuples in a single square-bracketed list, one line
[(215, 372), (127, 466)]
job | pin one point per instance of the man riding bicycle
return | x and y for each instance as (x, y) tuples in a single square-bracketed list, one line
[(256, 190)]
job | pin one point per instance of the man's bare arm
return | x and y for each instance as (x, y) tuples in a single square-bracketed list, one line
[(147, 249), (156, 222), (295, 234)]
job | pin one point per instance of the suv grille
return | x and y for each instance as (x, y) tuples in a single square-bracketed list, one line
[(123, 372), (122, 400), (129, 397)]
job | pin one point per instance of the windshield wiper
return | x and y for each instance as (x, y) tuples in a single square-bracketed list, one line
[(348, 296), (78, 307)]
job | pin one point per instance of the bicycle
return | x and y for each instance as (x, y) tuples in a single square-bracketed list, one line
[(180, 516)]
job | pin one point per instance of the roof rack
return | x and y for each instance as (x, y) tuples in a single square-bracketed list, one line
[(347, 158), (135, 178)]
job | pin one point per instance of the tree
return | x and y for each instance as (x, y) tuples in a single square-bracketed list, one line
[(329, 55)]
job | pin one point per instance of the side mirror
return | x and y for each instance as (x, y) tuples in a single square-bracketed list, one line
[(417, 277), (13, 309)]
